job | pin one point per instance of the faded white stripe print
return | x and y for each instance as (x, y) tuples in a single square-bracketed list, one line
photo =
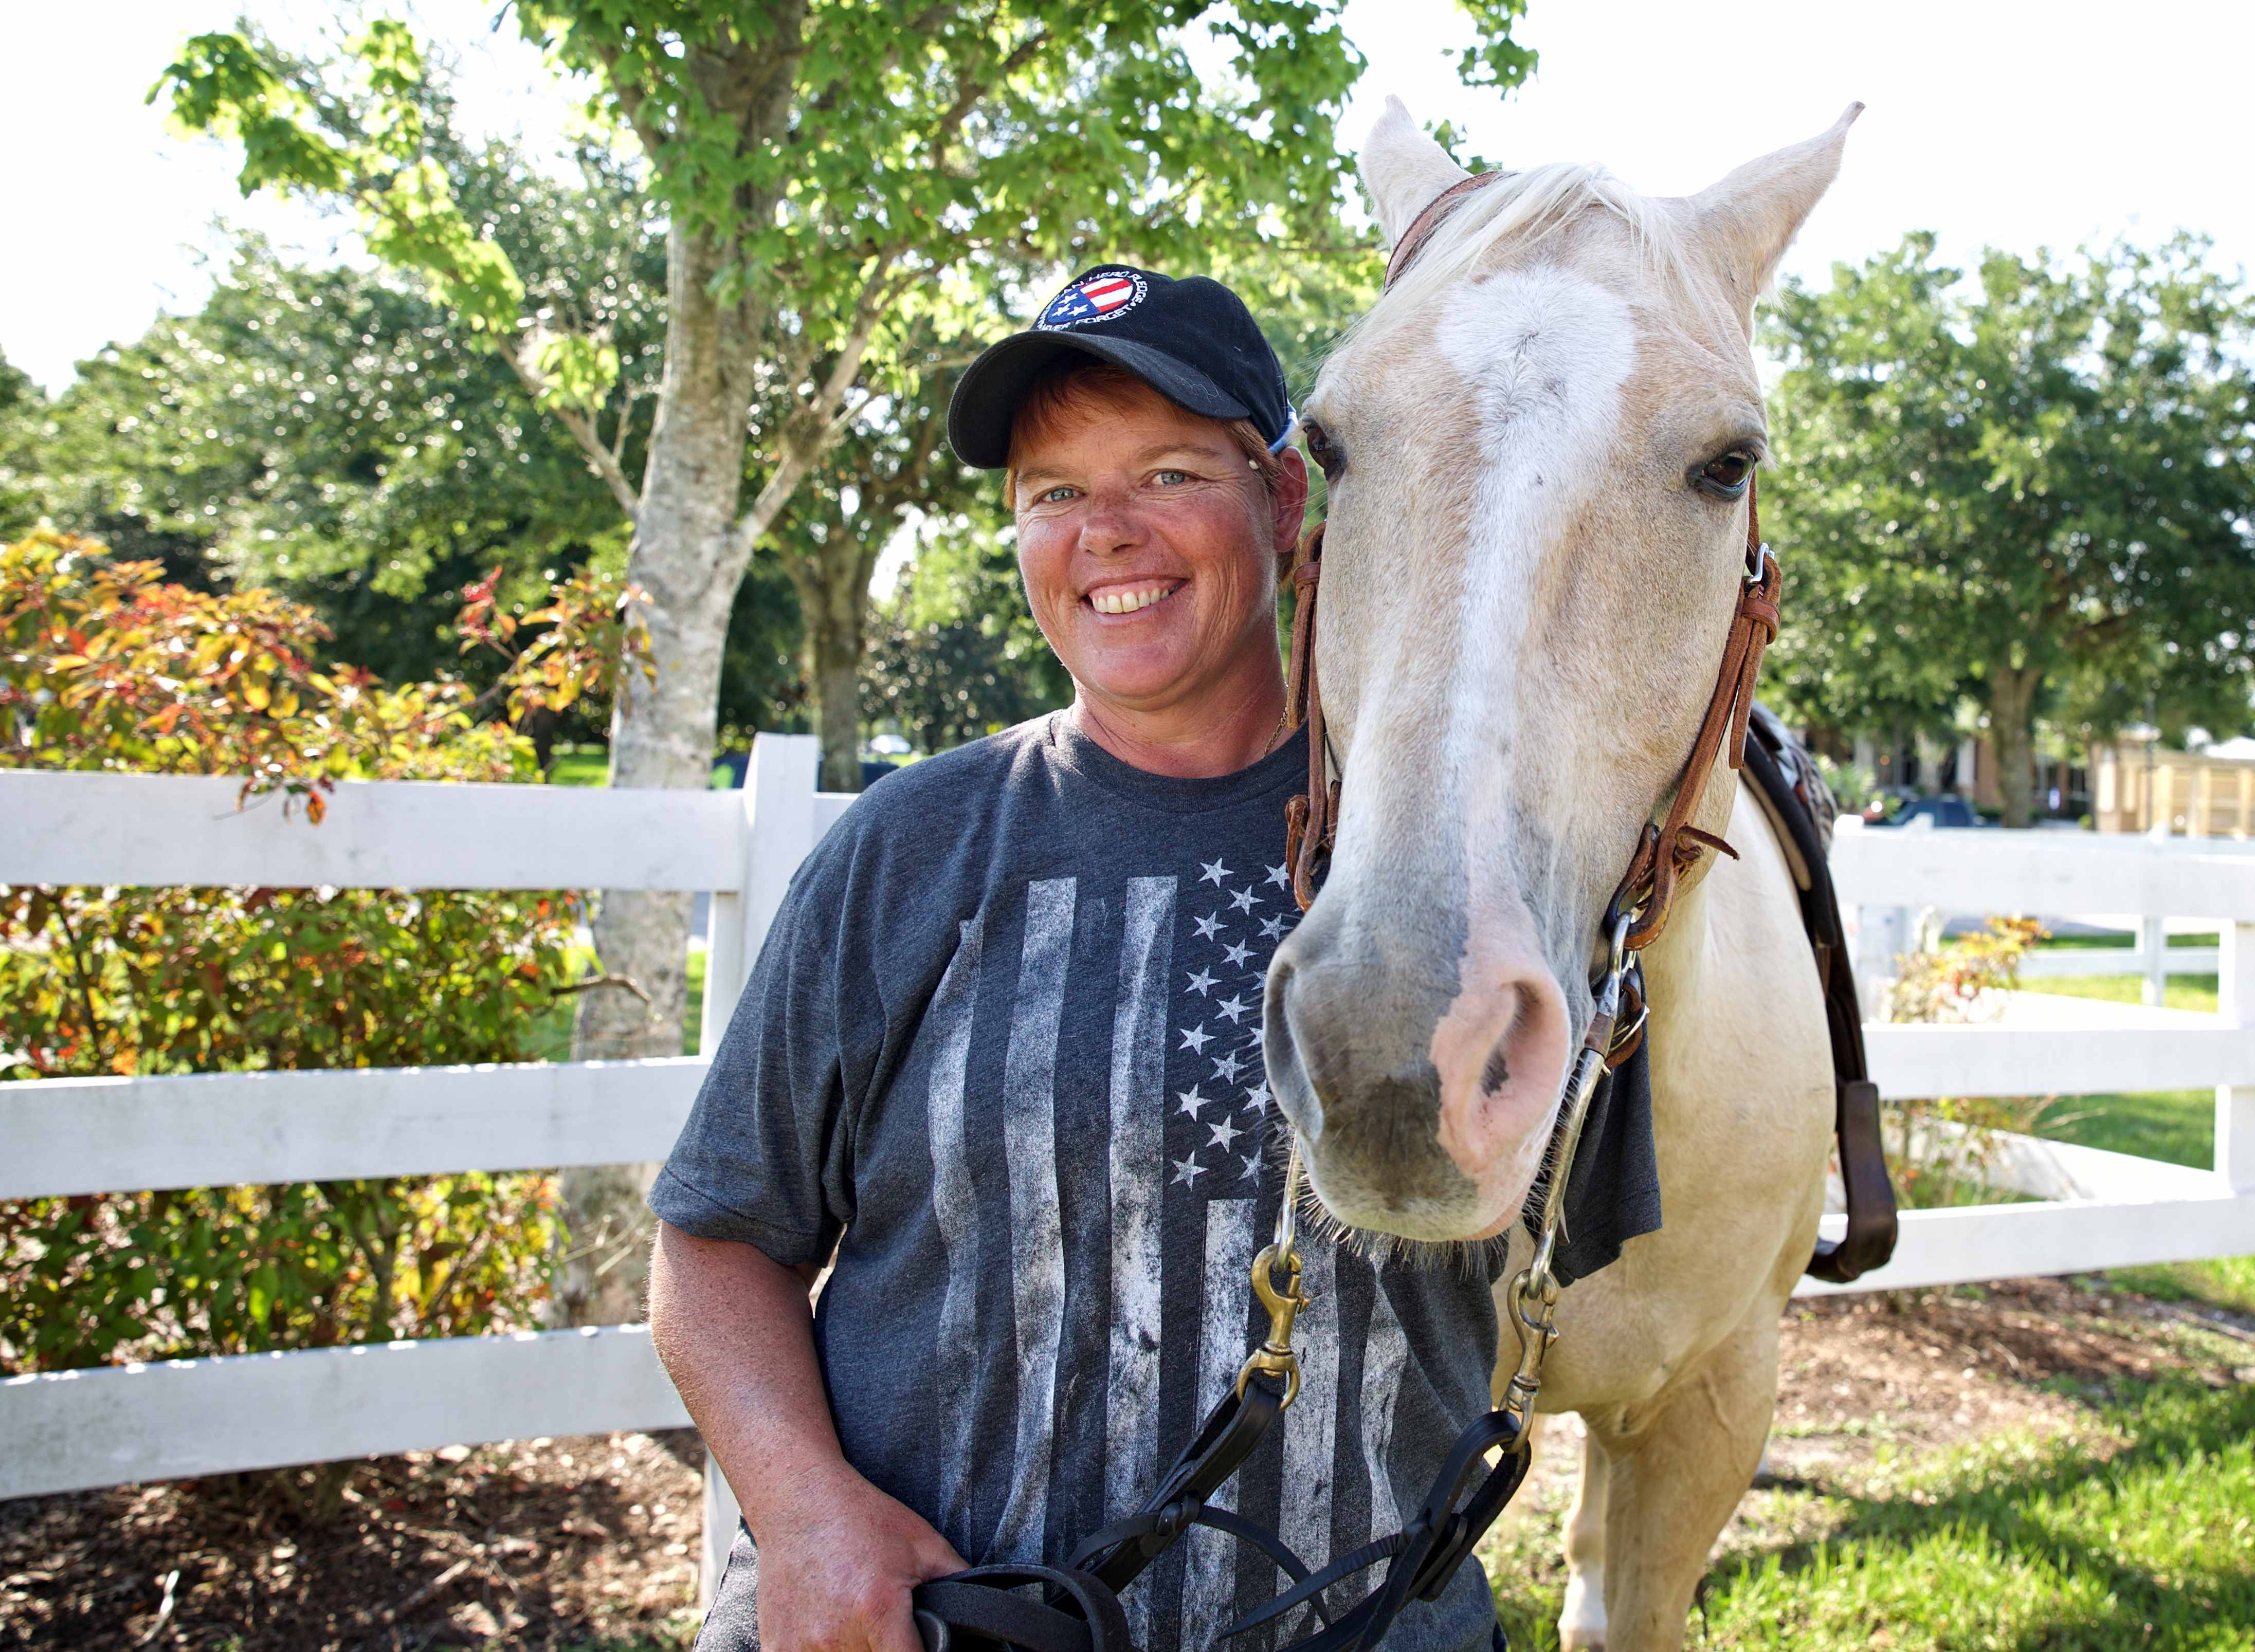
[(955, 1364), (1385, 1353), (1037, 1230), (1138, 1166), (1209, 1577)]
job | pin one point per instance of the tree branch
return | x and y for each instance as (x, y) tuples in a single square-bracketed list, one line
[(601, 458), (968, 99)]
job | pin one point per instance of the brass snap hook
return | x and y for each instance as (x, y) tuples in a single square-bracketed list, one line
[(1275, 1356)]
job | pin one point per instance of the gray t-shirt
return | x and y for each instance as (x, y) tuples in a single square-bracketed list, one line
[(1003, 1050)]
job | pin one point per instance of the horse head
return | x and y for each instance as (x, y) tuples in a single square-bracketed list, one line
[(1538, 445)]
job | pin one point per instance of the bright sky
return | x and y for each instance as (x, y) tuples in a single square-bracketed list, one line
[(2009, 121)]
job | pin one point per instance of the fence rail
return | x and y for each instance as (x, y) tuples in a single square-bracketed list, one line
[(71, 1429)]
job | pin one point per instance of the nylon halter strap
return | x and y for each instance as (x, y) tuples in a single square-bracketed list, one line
[(1671, 855)]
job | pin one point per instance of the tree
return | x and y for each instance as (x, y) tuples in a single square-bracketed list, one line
[(22, 420), (837, 179), (2026, 490)]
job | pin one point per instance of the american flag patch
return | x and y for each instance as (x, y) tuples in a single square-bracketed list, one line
[(1095, 298)]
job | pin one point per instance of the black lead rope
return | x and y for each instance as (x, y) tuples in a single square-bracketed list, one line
[(1079, 1608)]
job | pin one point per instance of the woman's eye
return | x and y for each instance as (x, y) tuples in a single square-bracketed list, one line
[(1323, 449), (1724, 476), (1056, 495), (1169, 478)]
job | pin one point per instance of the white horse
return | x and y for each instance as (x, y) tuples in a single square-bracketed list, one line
[(1537, 444)]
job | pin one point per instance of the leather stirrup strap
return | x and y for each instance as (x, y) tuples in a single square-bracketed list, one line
[(1870, 1237)]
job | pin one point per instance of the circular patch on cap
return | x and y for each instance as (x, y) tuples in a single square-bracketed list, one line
[(1103, 296)]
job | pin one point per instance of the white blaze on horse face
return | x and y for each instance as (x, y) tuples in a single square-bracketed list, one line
[(1546, 354)]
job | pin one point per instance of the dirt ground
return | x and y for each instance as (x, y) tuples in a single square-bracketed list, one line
[(592, 1543)]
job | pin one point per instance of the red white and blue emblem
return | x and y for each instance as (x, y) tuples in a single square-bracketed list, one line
[(1096, 297)]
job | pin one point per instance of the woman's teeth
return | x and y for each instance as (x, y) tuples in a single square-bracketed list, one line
[(1127, 600)]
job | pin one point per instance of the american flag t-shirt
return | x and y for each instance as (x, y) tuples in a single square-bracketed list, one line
[(1005, 1049)]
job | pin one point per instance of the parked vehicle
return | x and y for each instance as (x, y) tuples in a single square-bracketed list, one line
[(1948, 809)]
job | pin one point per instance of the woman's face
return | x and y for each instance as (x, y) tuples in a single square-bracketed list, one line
[(1148, 544)]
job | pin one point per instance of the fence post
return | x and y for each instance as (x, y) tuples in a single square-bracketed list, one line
[(778, 830), (2235, 1103)]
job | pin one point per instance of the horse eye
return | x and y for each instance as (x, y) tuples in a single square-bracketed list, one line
[(1323, 449), (1725, 476)]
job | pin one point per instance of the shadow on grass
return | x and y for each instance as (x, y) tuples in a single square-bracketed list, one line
[(2150, 1547)]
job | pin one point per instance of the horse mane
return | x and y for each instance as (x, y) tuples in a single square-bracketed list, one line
[(1527, 208)]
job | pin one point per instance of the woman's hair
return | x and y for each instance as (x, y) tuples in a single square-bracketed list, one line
[(1061, 386)]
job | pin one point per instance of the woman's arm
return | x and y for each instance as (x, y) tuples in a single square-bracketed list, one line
[(837, 1556)]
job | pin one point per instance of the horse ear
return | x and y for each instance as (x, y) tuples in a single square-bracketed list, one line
[(1403, 170), (1752, 216)]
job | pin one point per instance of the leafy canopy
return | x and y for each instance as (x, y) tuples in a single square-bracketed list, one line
[(2042, 473)]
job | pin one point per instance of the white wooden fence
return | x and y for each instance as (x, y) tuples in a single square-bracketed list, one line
[(71, 1429)]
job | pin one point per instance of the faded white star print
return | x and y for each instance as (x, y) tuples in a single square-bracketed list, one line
[(1272, 928), (1224, 1133), (1209, 926), (1237, 953), (1197, 1038), (1280, 876), (1243, 900), (1187, 1171), (1201, 982), (1213, 873), (1191, 1100), (1235, 1009), (1226, 1067)]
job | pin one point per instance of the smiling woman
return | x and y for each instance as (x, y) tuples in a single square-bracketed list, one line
[(1001, 1058), (1150, 539)]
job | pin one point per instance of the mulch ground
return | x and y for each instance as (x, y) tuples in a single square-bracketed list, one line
[(591, 1543), (564, 1543)]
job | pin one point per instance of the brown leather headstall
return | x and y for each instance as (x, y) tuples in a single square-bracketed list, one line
[(1671, 849)]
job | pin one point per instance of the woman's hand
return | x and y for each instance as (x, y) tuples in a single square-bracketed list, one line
[(838, 1579)]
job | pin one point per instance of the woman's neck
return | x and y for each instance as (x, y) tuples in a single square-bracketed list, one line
[(1229, 729)]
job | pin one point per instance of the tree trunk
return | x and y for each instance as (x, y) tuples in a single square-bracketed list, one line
[(688, 558), (833, 596), (2012, 720)]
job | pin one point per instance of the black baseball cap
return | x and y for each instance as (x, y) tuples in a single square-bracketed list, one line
[(1192, 340)]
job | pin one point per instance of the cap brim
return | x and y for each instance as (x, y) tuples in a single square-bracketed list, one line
[(987, 397)]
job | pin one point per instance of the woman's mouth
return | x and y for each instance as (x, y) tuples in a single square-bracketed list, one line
[(1133, 599)]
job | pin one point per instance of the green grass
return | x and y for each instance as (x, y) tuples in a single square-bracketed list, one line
[(2183, 992), (2119, 938), (591, 766), (578, 767), (2227, 1282), (2009, 1544), (2177, 1127)]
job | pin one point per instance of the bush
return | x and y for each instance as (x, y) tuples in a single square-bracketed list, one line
[(103, 666), (1946, 1147)]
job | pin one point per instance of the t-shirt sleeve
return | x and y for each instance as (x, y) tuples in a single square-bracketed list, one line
[(765, 1158)]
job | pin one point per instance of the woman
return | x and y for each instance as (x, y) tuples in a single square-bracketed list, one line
[(1001, 1055)]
